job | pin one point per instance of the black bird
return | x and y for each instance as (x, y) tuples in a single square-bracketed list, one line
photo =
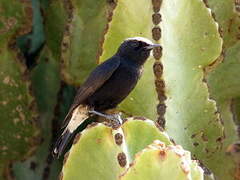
[(107, 85)]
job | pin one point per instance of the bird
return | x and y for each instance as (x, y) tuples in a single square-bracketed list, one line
[(106, 86)]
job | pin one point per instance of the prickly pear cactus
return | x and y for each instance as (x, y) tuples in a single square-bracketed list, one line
[(128, 153)]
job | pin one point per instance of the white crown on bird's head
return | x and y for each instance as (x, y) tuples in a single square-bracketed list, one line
[(145, 40)]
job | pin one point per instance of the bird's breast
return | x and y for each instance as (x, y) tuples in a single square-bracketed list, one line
[(126, 77)]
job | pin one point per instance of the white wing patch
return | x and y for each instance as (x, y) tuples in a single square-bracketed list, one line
[(78, 116)]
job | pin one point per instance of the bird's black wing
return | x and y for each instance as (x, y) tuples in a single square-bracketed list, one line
[(95, 80)]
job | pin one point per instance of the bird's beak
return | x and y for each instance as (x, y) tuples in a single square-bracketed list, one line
[(151, 46)]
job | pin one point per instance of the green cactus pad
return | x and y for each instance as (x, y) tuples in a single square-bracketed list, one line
[(190, 42), (228, 18), (224, 92), (46, 83), (158, 162), (226, 72), (87, 21), (136, 142), (54, 31), (32, 42), (128, 22), (14, 20), (93, 155), (100, 152), (17, 107), (224, 86)]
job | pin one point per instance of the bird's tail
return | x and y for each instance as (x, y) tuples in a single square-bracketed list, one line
[(61, 143), (78, 116)]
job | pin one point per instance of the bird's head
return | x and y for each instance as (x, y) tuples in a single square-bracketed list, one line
[(136, 49)]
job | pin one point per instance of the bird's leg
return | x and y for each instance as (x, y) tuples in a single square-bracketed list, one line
[(116, 118)]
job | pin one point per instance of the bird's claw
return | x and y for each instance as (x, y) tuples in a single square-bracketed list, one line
[(116, 119)]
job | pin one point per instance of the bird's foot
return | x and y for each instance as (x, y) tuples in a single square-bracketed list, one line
[(115, 119)]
